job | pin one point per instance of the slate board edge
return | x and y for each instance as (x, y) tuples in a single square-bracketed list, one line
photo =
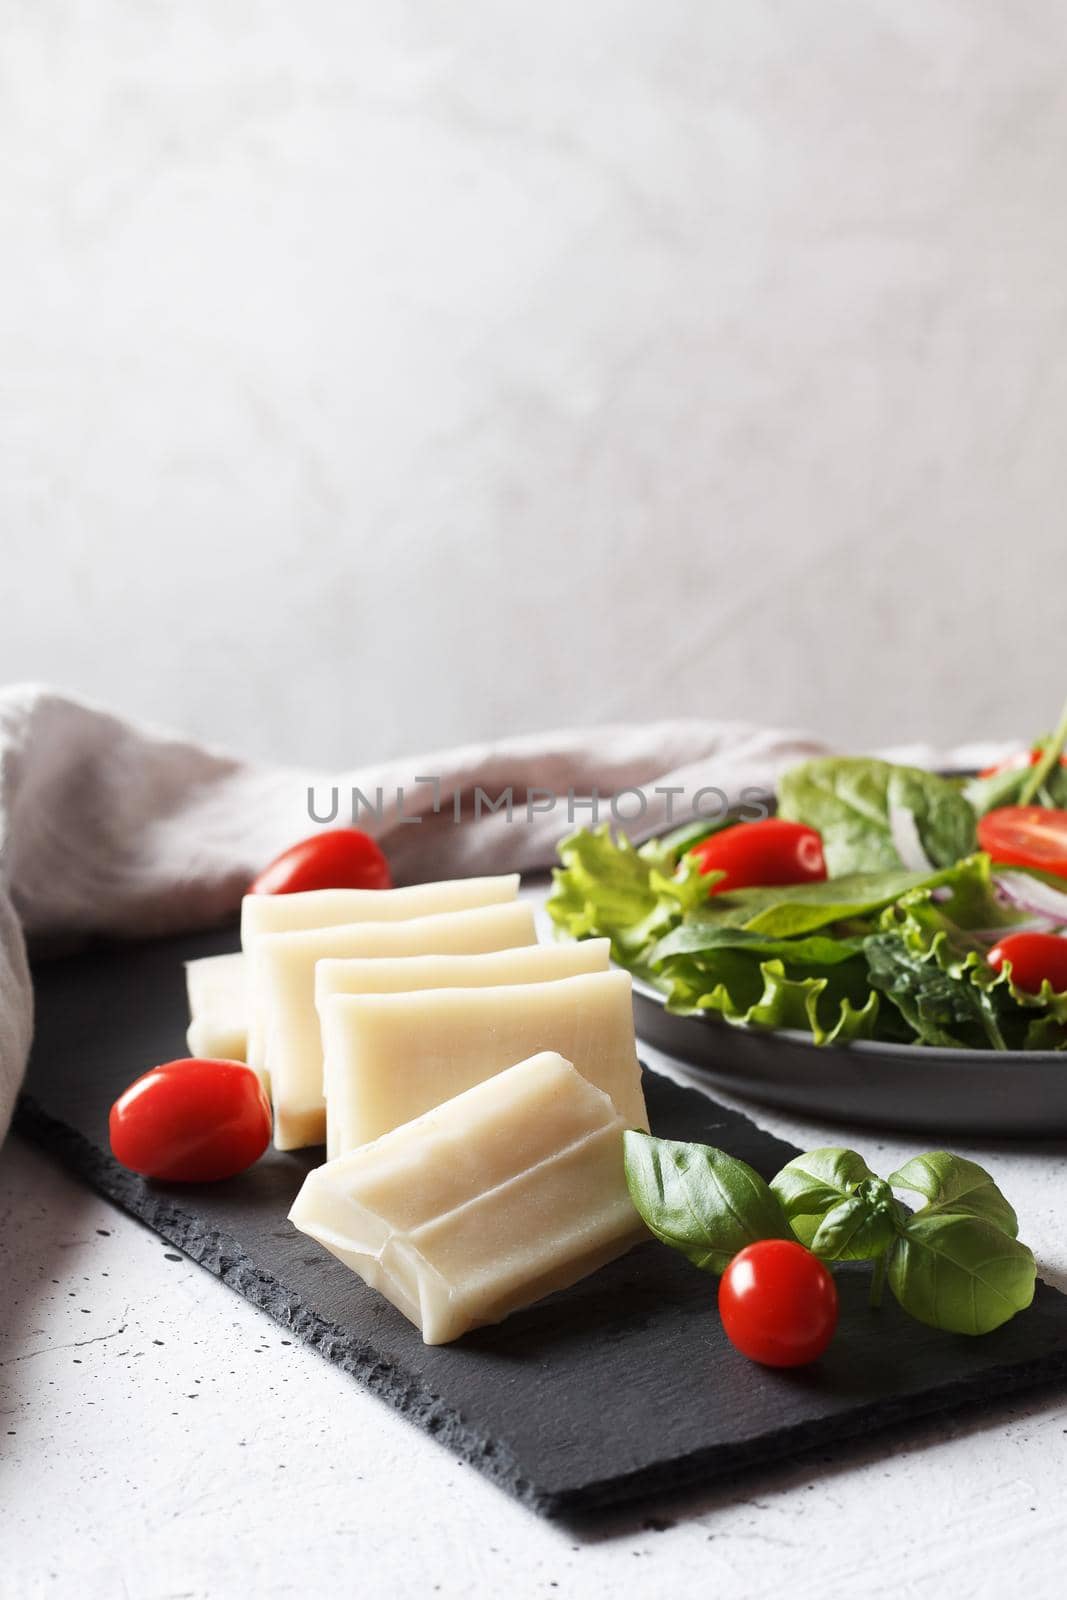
[(405, 1393), (222, 1256)]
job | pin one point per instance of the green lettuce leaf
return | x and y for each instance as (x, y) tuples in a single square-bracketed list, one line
[(808, 1005), (1044, 784), (607, 887), (850, 801), (802, 908), (937, 975)]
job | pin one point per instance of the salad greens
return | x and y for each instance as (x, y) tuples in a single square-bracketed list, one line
[(955, 1264), (854, 802), (892, 945)]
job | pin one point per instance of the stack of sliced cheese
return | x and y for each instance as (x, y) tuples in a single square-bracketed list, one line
[(471, 1086)]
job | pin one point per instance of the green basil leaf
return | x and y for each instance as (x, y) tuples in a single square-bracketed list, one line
[(857, 1229), (835, 1204), (953, 1184), (850, 800), (960, 1273), (812, 1184), (699, 1200)]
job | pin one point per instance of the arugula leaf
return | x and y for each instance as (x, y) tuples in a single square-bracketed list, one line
[(952, 1184), (960, 1273), (633, 896), (1007, 789), (850, 801), (1044, 783), (699, 1200)]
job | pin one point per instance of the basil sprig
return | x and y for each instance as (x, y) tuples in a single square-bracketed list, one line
[(956, 1264)]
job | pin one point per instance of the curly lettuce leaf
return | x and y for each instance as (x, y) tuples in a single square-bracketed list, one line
[(607, 887), (936, 973), (850, 800), (808, 1004)]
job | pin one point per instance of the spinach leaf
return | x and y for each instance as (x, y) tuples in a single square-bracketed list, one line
[(800, 908), (955, 1185), (701, 1201), (850, 801), (946, 1000), (698, 937), (960, 1273)]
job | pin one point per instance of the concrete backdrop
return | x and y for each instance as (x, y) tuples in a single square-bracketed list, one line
[(374, 376)]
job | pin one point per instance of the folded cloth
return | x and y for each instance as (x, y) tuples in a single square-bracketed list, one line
[(108, 827)]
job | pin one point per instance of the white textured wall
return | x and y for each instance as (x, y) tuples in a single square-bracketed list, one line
[(378, 375)]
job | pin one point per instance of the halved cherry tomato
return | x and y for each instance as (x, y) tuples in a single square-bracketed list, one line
[(191, 1121), (1033, 958), (342, 858), (1026, 836), (769, 852), (778, 1303), (1016, 763)]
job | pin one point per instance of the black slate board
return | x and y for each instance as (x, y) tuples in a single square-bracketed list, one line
[(618, 1389)]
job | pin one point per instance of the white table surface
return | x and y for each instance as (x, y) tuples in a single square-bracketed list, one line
[(161, 1439)]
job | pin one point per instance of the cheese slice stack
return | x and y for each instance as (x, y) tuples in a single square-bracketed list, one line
[(218, 1009), (532, 963), (283, 976), (391, 1057), (483, 1205), (330, 908)]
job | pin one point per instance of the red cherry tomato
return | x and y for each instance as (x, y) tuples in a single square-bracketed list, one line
[(1016, 763), (778, 1303), (769, 852), (1033, 958), (342, 858), (1026, 836), (191, 1121)]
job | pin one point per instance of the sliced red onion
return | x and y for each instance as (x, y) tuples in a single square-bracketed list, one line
[(1032, 894), (904, 832)]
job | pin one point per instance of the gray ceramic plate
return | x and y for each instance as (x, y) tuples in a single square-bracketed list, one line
[(930, 1090)]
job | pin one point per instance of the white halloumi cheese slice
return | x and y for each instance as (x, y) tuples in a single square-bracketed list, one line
[(494, 1199), (326, 908), (218, 1008), (284, 974), (391, 1057), (534, 963)]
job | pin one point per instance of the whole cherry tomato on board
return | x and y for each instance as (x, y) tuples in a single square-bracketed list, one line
[(778, 1303), (1033, 958), (191, 1121), (771, 852), (341, 858), (1026, 836)]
